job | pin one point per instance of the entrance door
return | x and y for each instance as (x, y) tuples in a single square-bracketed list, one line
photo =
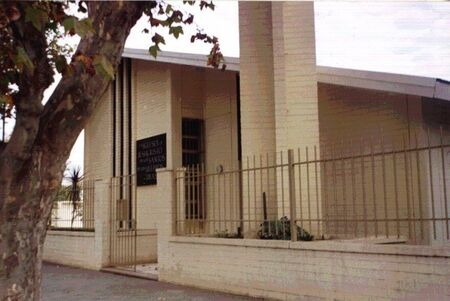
[(193, 161), (123, 222)]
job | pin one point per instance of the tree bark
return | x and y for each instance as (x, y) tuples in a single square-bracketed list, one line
[(33, 162)]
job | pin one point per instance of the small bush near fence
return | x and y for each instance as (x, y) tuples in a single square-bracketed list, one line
[(281, 230)]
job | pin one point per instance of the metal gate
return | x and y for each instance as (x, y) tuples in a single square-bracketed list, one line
[(123, 222)]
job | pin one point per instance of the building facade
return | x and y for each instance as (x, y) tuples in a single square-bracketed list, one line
[(222, 176)]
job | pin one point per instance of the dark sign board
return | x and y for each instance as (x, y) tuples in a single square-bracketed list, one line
[(151, 154)]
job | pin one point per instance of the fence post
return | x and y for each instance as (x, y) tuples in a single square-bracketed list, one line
[(292, 207), (102, 200)]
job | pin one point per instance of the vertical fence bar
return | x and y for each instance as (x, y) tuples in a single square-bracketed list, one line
[(383, 167), (308, 189), (213, 201), (134, 196), (412, 195), (191, 198), (268, 193), (282, 192), (275, 191), (255, 214), (207, 199), (300, 187), (224, 175), (397, 213), (334, 179), (248, 195), (374, 193), (261, 190), (419, 187), (325, 185), (292, 195), (198, 208), (363, 187), (352, 166), (344, 190), (430, 170), (219, 211), (231, 200), (317, 189), (444, 181), (408, 209), (180, 200), (111, 226)]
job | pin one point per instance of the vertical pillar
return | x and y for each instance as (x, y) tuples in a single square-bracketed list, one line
[(102, 222), (257, 107), (165, 207), (295, 79), (256, 75)]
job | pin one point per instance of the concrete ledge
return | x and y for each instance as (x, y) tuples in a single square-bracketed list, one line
[(71, 233), (119, 271), (328, 246)]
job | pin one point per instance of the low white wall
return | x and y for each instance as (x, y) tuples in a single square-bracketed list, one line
[(309, 270), (75, 248), (147, 249)]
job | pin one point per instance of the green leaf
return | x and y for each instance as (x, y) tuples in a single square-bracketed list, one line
[(154, 50), (36, 16), (84, 27), (69, 23), (103, 66), (176, 31), (158, 39), (81, 27), (21, 60)]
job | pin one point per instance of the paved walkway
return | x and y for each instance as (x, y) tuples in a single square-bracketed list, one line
[(62, 283)]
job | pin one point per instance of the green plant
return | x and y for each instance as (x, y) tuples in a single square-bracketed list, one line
[(73, 192), (281, 230)]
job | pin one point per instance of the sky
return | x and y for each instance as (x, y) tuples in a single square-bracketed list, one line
[(397, 37)]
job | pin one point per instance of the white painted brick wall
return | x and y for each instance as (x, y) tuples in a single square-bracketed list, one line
[(71, 248), (329, 271)]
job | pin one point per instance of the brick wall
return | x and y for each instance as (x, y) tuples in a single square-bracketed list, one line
[(309, 271), (71, 248), (98, 137), (256, 72)]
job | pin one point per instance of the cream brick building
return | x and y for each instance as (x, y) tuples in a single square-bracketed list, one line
[(369, 164)]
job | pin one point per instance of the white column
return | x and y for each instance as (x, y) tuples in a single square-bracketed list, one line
[(102, 222), (165, 207)]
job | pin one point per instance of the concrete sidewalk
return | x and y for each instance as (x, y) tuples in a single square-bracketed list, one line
[(61, 283)]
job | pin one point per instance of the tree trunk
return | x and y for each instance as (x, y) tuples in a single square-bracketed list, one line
[(23, 247), (33, 162), (23, 228)]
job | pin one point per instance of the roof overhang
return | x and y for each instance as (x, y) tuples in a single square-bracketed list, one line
[(189, 59), (390, 82), (381, 81)]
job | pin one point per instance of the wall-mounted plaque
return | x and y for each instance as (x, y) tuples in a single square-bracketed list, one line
[(151, 154)]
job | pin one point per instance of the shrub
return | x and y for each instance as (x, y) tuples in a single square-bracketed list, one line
[(226, 234), (281, 230)]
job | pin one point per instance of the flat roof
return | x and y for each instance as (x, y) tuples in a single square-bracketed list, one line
[(391, 82), (189, 59), (381, 81)]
